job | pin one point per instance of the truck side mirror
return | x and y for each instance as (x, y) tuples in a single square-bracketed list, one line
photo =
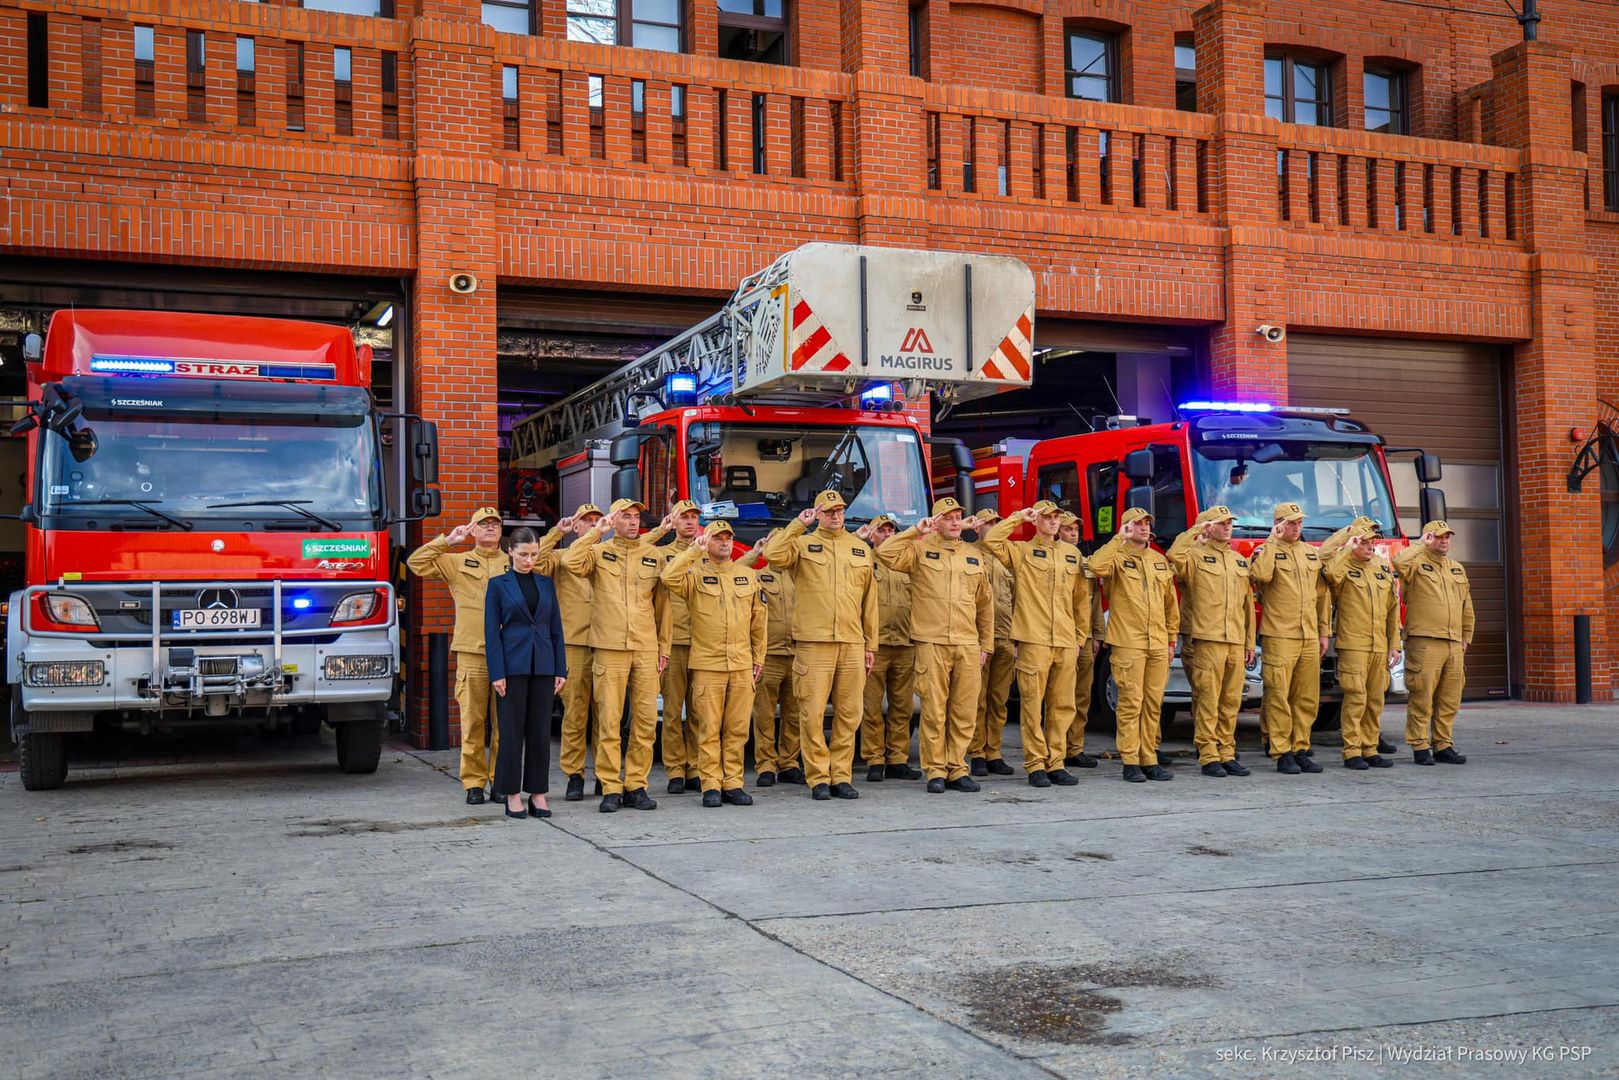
[(1432, 501), (1139, 467), (1429, 471), (1140, 497), (426, 502), (424, 451), (625, 450), (627, 482), (33, 348), (961, 457)]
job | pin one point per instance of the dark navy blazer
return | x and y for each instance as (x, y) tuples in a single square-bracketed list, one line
[(515, 642)]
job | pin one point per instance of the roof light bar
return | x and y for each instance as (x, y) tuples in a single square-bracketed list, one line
[(1227, 406), (129, 365)]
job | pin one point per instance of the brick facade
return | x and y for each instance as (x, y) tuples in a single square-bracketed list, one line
[(1486, 223)]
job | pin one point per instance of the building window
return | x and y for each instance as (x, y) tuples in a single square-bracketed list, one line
[(1185, 77), (1610, 151), (1610, 496), (196, 76), (1386, 109), (246, 62), (145, 55), (39, 67), (1297, 91), (644, 24), (390, 95), (754, 30), (511, 112), (917, 32), (509, 16), (376, 8), (343, 90), (1093, 65)]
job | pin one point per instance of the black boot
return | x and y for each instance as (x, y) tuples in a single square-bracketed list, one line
[(1235, 768), (639, 800), (821, 792), (936, 786), (1081, 760), (677, 785), (576, 788), (1134, 775), (844, 791), (1449, 756), (711, 797), (1384, 746), (1306, 763), (963, 783), (1062, 777), (1378, 761), (598, 789), (1422, 757), (766, 779), (1356, 763), (737, 797), (875, 774), (475, 796), (795, 775), (1039, 778), (611, 804), (902, 771), (998, 767), (1286, 764), (1165, 759), (1158, 772), (980, 766), (1214, 768)]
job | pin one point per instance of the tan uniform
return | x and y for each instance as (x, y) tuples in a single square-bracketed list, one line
[(995, 684), (680, 738), (953, 624), (1218, 617), (467, 573), (776, 749), (1143, 619), (626, 619), (834, 626), (573, 596), (728, 628), (1049, 624), (1295, 614), (893, 673), (1438, 626), (1085, 668), (1366, 606)]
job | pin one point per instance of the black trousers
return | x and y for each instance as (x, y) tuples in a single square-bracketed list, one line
[(524, 761)]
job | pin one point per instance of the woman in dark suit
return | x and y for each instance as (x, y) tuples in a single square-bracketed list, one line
[(528, 663)]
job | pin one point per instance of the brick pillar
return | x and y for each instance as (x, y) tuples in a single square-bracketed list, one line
[(1554, 380)]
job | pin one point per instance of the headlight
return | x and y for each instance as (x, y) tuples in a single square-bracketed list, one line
[(67, 673), (70, 610), (358, 667), (355, 607)]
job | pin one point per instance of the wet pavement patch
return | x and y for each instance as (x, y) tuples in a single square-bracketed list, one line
[(1081, 856), (1068, 1004), (350, 827), (1203, 849)]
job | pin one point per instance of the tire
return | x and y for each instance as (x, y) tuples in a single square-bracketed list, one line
[(42, 761), (1330, 715), (306, 722), (1166, 717), (359, 745)]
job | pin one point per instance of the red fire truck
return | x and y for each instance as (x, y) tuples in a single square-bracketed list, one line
[(207, 517)]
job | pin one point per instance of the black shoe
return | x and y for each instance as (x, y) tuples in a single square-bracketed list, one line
[(735, 796), (1449, 756), (1384, 746), (790, 776), (520, 815), (495, 796), (936, 786), (1235, 768), (711, 797), (766, 779), (964, 783), (598, 790), (611, 804), (1134, 775), (1286, 764), (1039, 778), (1378, 761), (475, 796), (1062, 778), (1306, 763), (1165, 759), (576, 788), (1158, 772), (1310, 753), (979, 766), (1422, 757), (538, 812), (820, 793), (1357, 763), (844, 791), (639, 800), (997, 767), (1214, 768), (677, 785), (1081, 760), (875, 774)]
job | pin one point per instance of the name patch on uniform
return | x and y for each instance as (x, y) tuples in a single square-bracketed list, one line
[(475, 564), (1071, 558), (1281, 555), (1038, 553), (739, 581), (932, 554), (860, 551), (609, 556), (1129, 564), (1160, 566), (1310, 555), (971, 561), (1427, 566), (1210, 558), (1242, 563), (767, 578), (1379, 576), (1456, 570), (649, 562), (1356, 574), (710, 580), (815, 547)]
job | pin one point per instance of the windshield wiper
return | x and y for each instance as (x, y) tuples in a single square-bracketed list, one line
[(137, 504), (295, 505)]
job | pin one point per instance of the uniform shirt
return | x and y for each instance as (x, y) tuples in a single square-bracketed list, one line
[(1365, 602), (467, 573), (1438, 600), (573, 592), (1219, 603), (728, 614), (679, 616), (834, 596), (1143, 610), (1003, 587), (951, 602), (1053, 596), (1093, 592), (776, 590), (627, 605), (1296, 603), (893, 606)]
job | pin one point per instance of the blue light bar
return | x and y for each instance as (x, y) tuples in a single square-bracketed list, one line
[(301, 603), (1227, 406), (680, 388), (877, 396), (129, 365)]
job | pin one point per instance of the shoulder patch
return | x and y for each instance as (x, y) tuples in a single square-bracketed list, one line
[(931, 554), (816, 547)]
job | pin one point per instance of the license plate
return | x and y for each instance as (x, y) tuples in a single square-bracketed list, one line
[(214, 618)]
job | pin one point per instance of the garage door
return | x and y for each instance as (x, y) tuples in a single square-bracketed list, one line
[(1444, 397)]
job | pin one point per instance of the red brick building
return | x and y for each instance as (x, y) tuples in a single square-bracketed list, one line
[(1427, 203)]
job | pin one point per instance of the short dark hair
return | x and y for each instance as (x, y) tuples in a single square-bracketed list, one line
[(524, 535)]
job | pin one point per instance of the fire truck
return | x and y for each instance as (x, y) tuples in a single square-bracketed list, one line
[(206, 516), (1247, 456), (797, 385)]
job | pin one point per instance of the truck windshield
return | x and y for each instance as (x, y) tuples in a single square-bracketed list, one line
[(763, 475), (1335, 482)]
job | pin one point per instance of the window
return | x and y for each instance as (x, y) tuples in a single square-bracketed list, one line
[(1610, 151), (1386, 102), (196, 75), (390, 95), (917, 28), (246, 61), (1297, 91), (1168, 493), (677, 123), (343, 90), (761, 159), (509, 16), (1102, 481), (637, 119), (1610, 496), (511, 116), (1185, 77), (644, 24), (754, 30), (39, 64), (1093, 65), (379, 8), (1060, 484)]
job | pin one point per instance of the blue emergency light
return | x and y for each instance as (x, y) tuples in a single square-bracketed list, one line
[(301, 603), (1227, 406), (130, 365), (877, 397), (680, 388)]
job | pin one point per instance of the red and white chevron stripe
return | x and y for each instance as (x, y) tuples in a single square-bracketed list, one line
[(812, 348), (1015, 352)]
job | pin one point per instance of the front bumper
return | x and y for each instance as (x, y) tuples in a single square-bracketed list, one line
[(1178, 691)]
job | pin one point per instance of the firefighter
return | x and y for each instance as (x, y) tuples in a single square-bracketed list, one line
[(1143, 621), (1335, 543), (1366, 606), (467, 573), (1085, 664), (573, 594), (630, 651), (1297, 616), (728, 638), (775, 750), (1438, 630), (1050, 626), (886, 744), (834, 635), (995, 687), (1218, 618), (679, 737), (953, 623)]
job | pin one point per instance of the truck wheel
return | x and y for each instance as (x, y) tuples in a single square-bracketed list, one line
[(359, 745), (1330, 715), (42, 760)]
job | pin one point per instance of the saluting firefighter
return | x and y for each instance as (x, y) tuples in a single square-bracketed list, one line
[(775, 748), (1143, 621), (1050, 626), (468, 573), (1085, 664), (886, 743), (679, 736), (728, 637), (1366, 607), (996, 685), (628, 651), (1296, 621), (1218, 617), (1438, 629), (573, 596), (1330, 547), (953, 623), (835, 635)]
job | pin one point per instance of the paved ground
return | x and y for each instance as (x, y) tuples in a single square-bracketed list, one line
[(253, 912)]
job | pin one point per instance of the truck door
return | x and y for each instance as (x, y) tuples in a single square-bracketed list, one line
[(1171, 500)]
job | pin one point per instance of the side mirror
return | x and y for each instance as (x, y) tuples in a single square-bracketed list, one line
[(1140, 497), (1432, 501), (82, 444), (426, 502), (424, 451), (33, 348), (1429, 471), (1139, 467), (961, 457), (965, 492), (625, 450), (627, 482)]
